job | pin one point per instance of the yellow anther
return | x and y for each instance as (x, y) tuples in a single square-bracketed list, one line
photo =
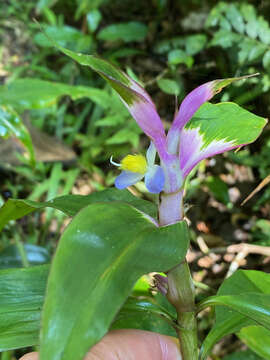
[(134, 163)]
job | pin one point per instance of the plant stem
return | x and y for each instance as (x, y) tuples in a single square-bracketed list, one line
[(181, 295), (21, 250), (181, 292)]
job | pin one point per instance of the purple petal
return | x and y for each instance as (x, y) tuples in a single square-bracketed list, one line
[(154, 179), (193, 149), (127, 178), (143, 110), (146, 116), (191, 104)]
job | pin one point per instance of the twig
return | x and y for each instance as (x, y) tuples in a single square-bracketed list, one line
[(257, 189)]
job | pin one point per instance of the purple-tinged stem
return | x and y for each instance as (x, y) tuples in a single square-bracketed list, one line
[(171, 208), (181, 293)]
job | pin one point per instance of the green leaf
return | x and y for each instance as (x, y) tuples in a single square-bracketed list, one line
[(242, 355), (227, 321), (66, 36), (266, 60), (224, 38), (195, 43), (71, 204), (93, 19), (118, 80), (101, 254), (21, 298), (219, 189), (178, 56), (263, 30), (10, 257), (257, 51), (12, 125), (236, 19), (254, 306), (226, 122), (131, 31), (257, 339), (248, 12), (36, 94), (146, 314), (169, 86), (246, 46)]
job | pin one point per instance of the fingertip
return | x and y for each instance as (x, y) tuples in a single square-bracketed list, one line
[(30, 356)]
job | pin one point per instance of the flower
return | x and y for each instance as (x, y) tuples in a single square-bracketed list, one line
[(197, 132), (137, 167), (199, 129)]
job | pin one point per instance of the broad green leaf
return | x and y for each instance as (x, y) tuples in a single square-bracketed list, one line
[(12, 125), (257, 339), (228, 321), (10, 256), (254, 306), (169, 86), (21, 298), (146, 314), (101, 254), (216, 128), (22, 293), (35, 93), (71, 204), (131, 31)]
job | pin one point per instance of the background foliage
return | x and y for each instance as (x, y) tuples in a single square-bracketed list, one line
[(66, 122)]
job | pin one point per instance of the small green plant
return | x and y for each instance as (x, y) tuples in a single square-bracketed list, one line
[(97, 256)]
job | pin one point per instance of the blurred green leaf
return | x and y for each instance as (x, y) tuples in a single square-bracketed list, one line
[(71, 204), (169, 86), (12, 125), (235, 17), (257, 339), (37, 94), (266, 60), (242, 355), (224, 38), (10, 256), (93, 19), (176, 57), (103, 257), (243, 283), (195, 43), (131, 31), (45, 3), (219, 189), (66, 36), (129, 134), (21, 298)]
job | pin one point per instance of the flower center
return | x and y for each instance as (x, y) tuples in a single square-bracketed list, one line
[(134, 163)]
